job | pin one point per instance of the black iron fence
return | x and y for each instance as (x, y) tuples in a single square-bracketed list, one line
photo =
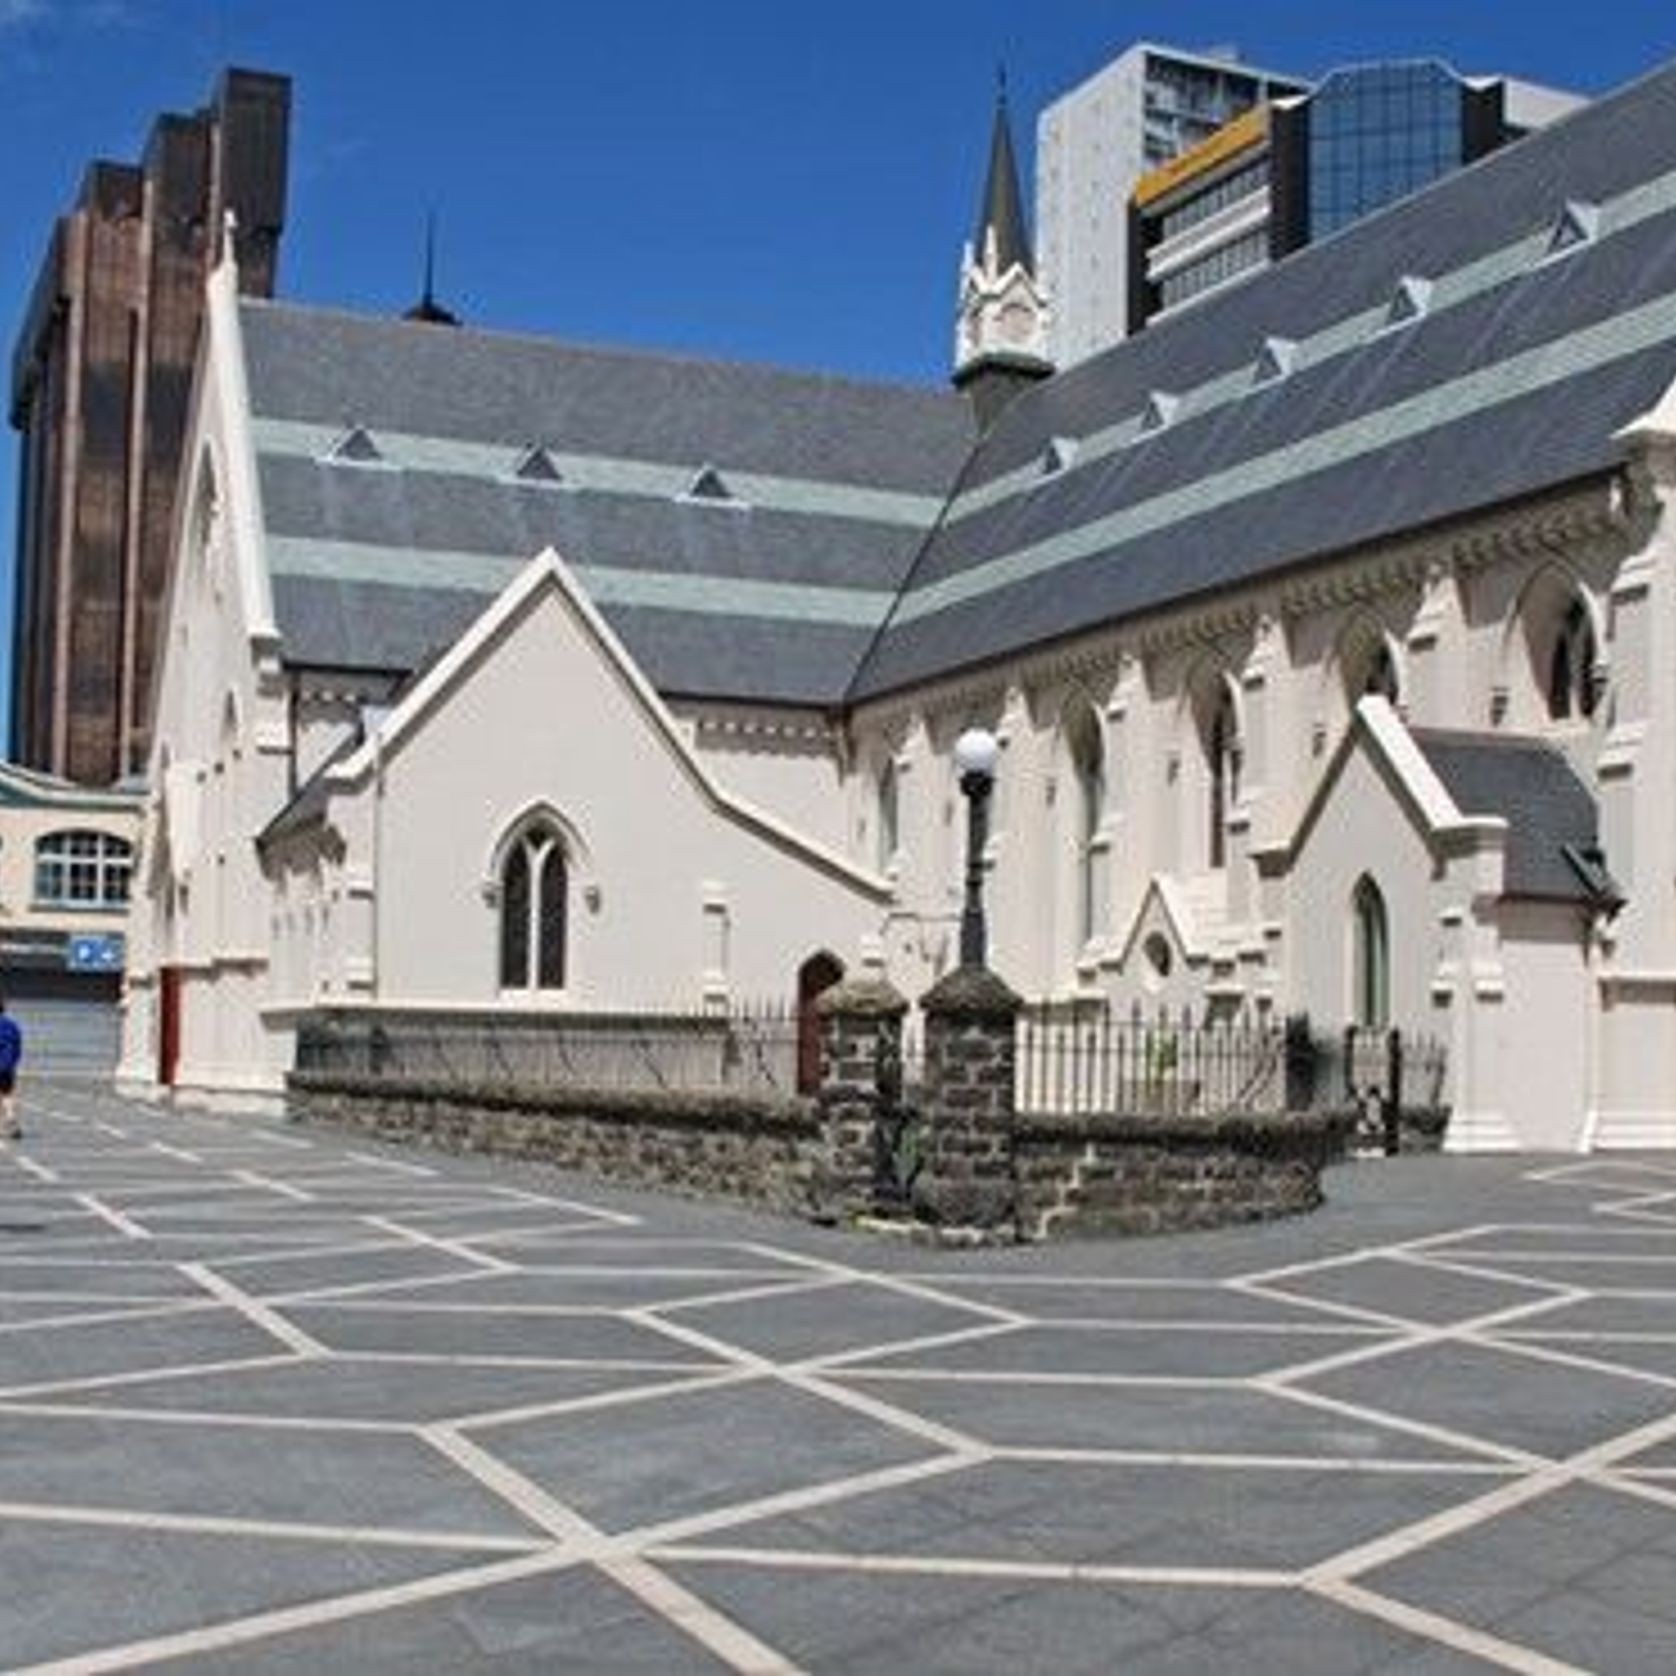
[(1082, 1060), (746, 1050), (1393, 1085)]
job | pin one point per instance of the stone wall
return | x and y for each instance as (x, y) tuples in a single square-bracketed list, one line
[(1152, 1175), (758, 1151)]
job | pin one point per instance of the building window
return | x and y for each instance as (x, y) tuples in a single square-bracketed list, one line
[(533, 885), (1222, 761), (890, 814), (1088, 766), (1370, 957), (83, 870), (1571, 666)]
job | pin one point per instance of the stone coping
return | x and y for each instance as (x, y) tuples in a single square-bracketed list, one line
[(1147, 1129), (718, 1109)]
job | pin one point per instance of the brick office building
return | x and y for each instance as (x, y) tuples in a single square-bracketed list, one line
[(101, 380)]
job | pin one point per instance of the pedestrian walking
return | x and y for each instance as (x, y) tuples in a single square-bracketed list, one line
[(11, 1052)]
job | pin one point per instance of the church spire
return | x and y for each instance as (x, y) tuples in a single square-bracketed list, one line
[(1001, 334), (428, 311), (1001, 213)]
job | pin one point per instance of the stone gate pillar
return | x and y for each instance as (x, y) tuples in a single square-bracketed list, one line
[(861, 1034), (968, 1177)]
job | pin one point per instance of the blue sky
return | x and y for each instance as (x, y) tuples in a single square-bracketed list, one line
[(759, 179)]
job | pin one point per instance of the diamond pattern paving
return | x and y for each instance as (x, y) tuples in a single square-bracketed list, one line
[(273, 1400)]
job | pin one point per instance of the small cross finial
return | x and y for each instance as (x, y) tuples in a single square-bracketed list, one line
[(1001, 83)]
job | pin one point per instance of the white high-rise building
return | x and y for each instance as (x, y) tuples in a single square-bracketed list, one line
[(1148, 105)]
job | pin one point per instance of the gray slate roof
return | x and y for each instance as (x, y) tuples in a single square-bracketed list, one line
[(378, 564), (1531, 786), (883, 546), (1513, 382)]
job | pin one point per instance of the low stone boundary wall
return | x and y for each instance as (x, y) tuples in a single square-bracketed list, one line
[(1154, 1175), (758, 1150)]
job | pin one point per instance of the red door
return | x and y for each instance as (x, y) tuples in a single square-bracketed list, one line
[(168, 1024), (817, 974)]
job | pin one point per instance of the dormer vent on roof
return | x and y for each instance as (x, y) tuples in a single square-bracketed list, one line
[(1058, 457), (1410, 301), (1274, 361), (1576, 225), (710, 486), (536, 465), (1159, 412), (356, 447)]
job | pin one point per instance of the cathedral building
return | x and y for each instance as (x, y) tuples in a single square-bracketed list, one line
[(1328, 630)]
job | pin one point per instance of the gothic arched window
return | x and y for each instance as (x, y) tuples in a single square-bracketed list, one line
[(1370, 959), (533, 885), (890, 814), (1087, 753), (1571, 666), (1222, 762)]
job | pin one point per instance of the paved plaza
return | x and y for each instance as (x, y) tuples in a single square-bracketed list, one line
[(272, 1399)]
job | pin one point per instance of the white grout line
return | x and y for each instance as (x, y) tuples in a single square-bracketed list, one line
[(210, 1524), (898, 1419), (39, 1171), (201, 1417), (729, 1641), (177, 1152), (478, 1260), (284, 1188), (1453, 1521), (375, 1163), (492, 1419), (123, 1225), (1385, 1466), (141, 1310), (1460, 1638), (256, 1312), (263, 1626), (925, 1565), (1383, 1420), (111, 1381), (1421, 1338)]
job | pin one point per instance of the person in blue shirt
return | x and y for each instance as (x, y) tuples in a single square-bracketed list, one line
[(11, 1051)]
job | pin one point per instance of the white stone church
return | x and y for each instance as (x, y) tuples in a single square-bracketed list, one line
[(1328, 628)]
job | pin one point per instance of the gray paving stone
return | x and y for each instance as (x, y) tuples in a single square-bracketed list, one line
[(1147, 1352), (572, 1620), (826, 1322), (1156, 1515), (44, 1355), (1163, 1419), (1425, 1293), (1491, 1393), (347, 1327), (1583, 1575), (399, 1392), (679, 1455), (65, 1588), (318, 1477)]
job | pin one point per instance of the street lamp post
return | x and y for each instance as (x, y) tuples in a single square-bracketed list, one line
[(976, 753)]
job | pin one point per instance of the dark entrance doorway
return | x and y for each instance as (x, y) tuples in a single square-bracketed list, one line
[(168, 1025), (815, 976)]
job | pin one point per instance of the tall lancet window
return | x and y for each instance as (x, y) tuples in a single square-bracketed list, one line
[(1222, 760), (890, 815), (1571, 666), (533, 885), (1088, 766), (1370, 956)]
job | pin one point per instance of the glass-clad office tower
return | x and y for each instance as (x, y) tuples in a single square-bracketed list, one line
[(1301, 166), (1379, 132)]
